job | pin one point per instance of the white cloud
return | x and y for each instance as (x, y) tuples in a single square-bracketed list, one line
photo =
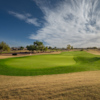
[(26, 17), (75, 22)]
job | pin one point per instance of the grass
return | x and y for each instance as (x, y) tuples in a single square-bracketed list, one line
[(72, 86), (40, 61), (66, 62)]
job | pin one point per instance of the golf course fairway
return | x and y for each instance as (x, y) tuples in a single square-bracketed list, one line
[(65, 62)]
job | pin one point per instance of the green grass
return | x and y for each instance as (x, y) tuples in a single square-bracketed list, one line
[(66, 62), (40, 61)]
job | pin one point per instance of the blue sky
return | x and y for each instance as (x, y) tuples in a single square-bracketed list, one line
[(54, 22)]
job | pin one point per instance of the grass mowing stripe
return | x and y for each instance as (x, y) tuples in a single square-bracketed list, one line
[(60, 63)]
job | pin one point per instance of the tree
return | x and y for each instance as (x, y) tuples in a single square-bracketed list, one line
[(36, 46), (4, 47), (95, 48), (46, 48), (21, 48), (55, 48), (68, 47), (49, 47), (31, 48), (39, 45), (72, 47)]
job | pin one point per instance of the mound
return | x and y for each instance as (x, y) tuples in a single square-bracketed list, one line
[(75, 86)]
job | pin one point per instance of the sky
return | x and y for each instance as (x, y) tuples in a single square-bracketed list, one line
[(53, 22)]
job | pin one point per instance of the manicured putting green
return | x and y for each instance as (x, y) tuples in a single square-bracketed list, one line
[(40, 61), (66, 62)]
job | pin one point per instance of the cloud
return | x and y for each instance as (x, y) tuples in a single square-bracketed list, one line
[(26, 17), (75, 22)]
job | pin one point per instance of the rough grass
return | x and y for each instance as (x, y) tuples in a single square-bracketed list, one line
[(66, 62), (75, 86)]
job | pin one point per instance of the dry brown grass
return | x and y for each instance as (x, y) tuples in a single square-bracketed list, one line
[(94, 51), (73, 86)]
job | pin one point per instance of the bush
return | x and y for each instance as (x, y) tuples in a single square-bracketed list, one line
[(14, 53), (82, 50)]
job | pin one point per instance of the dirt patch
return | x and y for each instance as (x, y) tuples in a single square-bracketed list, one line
[(75, 86), (3, 56)]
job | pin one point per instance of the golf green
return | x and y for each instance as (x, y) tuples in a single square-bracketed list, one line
[(65, 62), (40, 61)]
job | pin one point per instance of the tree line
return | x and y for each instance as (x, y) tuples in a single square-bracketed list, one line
[(37, 46)]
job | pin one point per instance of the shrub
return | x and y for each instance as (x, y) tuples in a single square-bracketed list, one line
[(82, 50)]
